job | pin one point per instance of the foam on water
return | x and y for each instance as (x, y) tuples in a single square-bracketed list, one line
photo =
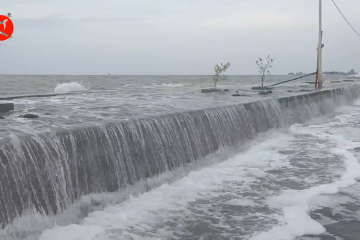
[(69, 87), (156, 85), (241, 197), (167, 199), (167, 85), (253, 186), (241, 202), (171, 85), (296, 204)]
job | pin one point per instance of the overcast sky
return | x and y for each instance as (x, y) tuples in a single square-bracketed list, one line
[(175, 36)]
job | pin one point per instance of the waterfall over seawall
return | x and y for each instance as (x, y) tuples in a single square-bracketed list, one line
[(50, 172)]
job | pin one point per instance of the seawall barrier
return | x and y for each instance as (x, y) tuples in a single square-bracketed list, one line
[(49, 172)]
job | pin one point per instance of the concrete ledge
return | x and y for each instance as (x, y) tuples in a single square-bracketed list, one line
[(6, 107), (35, 95), (261, 88), (210, 90)]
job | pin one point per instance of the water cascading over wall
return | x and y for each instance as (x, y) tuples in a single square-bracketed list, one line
[(52, 171)]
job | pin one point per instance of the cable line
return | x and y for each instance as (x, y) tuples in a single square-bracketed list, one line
[(356, 32)]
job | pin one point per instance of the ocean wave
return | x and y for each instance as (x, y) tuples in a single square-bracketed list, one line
[(167, 85), (296, 205), (69, 87), (171, 85)]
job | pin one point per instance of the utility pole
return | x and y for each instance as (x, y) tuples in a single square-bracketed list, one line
[(318, 82)]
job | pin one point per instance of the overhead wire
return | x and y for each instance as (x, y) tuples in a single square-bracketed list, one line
[(292, 79), (352, 27)]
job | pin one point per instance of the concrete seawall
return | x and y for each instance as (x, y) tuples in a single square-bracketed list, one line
[(6, 107), (35, 96), (51, 171)]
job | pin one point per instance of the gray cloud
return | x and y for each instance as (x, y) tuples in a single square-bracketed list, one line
[(175, 37)]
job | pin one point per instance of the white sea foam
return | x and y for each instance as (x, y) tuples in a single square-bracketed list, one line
[(296, 204), (69, 87), (171, 85), (156, 85), (241, 202), (167, 85), (58, 233), (243, 173), (132, 85), (141, 212), (171, 199)]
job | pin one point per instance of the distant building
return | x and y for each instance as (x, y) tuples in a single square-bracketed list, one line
[(335, 73), (298, 73), (352, 72)]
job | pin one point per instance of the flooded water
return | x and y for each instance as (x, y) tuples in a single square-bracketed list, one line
[(111, 99), (290, 183), (93, 171)]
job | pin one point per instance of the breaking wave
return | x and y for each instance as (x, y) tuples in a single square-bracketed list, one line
[(69, 87)]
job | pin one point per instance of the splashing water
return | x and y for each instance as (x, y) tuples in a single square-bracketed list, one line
[(264, 193), (244, 196), (69, 87), (171, 85), (167, 85)]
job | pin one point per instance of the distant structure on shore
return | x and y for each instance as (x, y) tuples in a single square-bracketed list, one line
[(351, 72), (298, 73)]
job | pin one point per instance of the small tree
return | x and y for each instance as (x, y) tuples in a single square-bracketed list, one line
[(264, 68), (220, 70)]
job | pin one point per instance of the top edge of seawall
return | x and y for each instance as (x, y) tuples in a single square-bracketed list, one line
[(281, 99), (312, 93), (35, 95)]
